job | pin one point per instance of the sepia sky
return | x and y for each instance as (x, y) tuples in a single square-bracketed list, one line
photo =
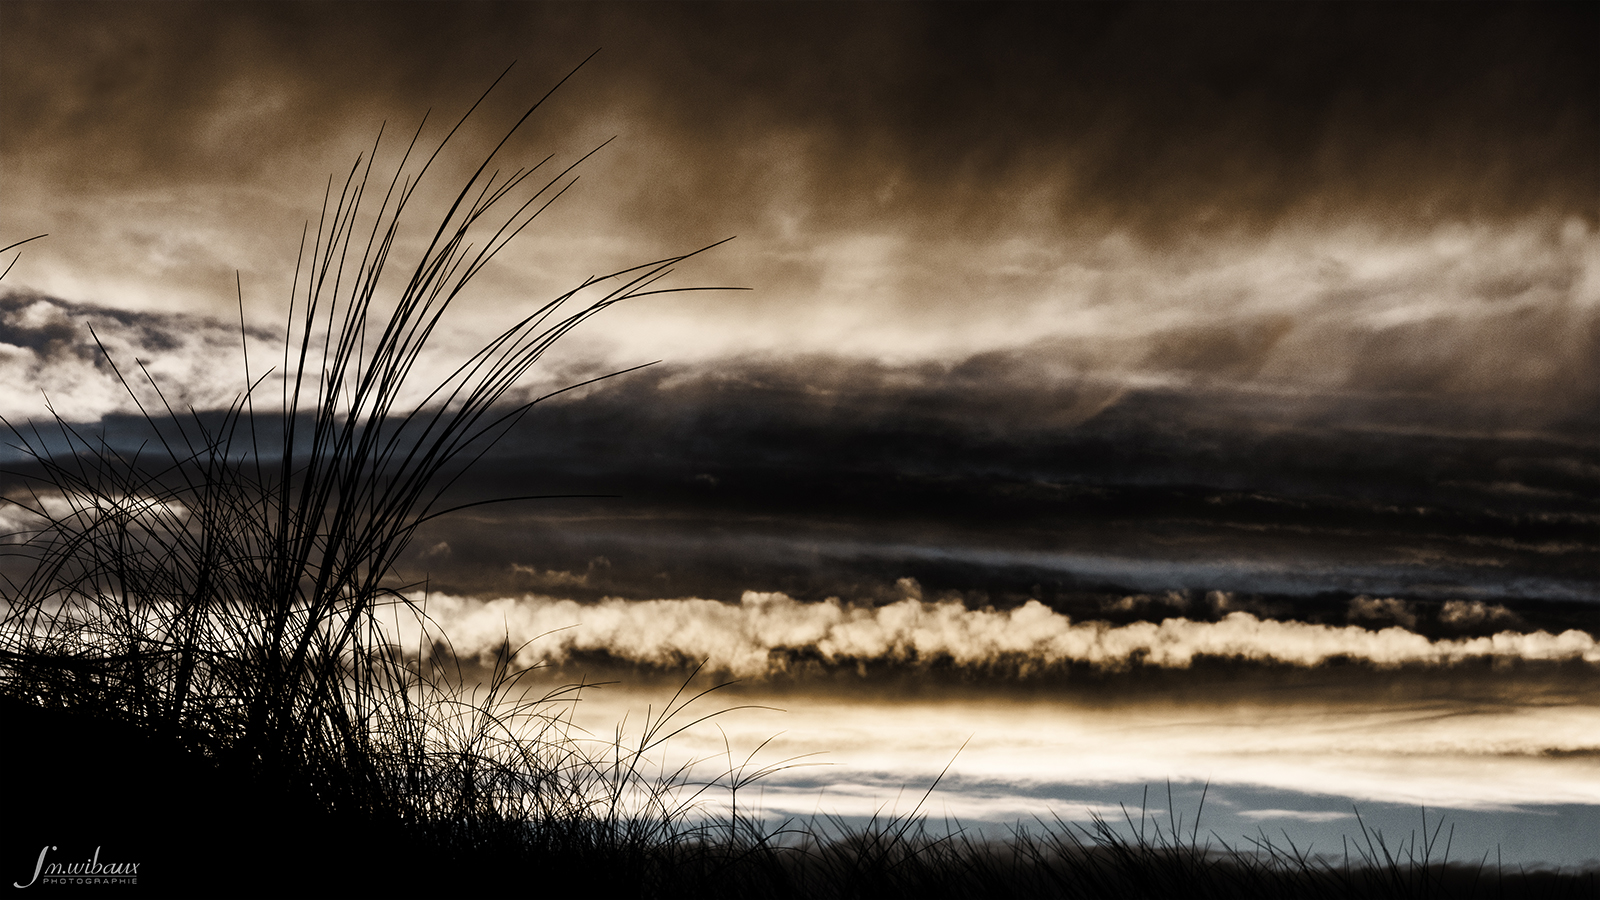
[(1105, 297), (1313, 198), (1062, 321), (1246, 297)]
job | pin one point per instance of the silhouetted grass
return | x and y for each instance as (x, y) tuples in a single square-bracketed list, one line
[(198, 670), (225, 588)]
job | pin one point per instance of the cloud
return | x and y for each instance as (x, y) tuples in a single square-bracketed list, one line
[(1299, 815), (1393, 740), (594, 576), (1494, 327), (88, 361), (1161, 116), (1385, 609), (1284, 198), (767, 634), (1471, 613), (1036, 465), (49, 359)]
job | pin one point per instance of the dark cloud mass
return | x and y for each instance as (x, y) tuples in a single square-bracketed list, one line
[(1245, 189), (836, 471), (1166, 116), (1002, 476)]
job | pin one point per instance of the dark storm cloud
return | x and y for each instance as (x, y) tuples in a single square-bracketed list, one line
[(1164, 117), (1169, 117), (1022, 412), (1001, 475), (1355, 197), (1038, 444), (171, 92), (1000, 471)]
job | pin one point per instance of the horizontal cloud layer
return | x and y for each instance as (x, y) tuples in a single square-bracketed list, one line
[(768, 633), (1321, 198), (1498, 324)]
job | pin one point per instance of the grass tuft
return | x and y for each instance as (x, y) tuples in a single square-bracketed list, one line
[(225, 587)]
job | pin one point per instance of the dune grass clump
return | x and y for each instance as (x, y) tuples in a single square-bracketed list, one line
[(224, 580)]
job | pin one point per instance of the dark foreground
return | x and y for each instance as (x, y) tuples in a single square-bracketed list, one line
[(85, 789)]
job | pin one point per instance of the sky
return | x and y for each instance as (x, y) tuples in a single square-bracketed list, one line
[(1062, 325)]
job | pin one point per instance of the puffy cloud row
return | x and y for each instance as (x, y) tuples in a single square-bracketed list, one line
[(765, 632)]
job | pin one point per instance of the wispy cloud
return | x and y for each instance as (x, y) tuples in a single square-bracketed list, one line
[(1299, 815), (1043, 749), (49, 359)]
